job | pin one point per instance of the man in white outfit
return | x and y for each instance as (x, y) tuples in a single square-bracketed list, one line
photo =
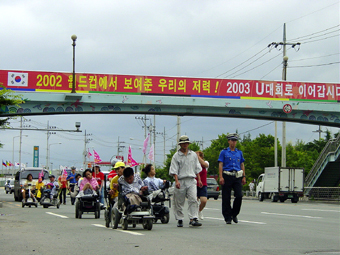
[(185, 167)]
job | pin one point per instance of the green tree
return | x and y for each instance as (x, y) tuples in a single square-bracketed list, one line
[(7, 98)]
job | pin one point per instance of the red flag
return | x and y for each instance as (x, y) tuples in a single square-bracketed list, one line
[(96, 157), (131, 162)]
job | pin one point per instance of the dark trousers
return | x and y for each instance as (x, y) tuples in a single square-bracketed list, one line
[(73, 199), (231, 182), (62, 195)]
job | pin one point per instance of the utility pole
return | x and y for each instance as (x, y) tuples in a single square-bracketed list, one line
[(284, 43), (86, 141), (319, 131), (119, 146), (178, 130), (144, 119), (47, 144), (162, 134)]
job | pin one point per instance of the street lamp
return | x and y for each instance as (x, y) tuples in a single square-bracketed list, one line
[(49, 150), (13, 166), (74, 38)]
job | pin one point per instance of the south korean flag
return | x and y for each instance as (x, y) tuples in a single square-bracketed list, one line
[(17, 79)]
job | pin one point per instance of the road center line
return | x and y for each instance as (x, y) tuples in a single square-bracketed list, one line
[(319, 210), (292, 215), (245, 221), (58, 215)]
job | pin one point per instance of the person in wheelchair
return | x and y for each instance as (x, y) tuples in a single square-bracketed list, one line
[(29, 188), (154, 184), (75, 191), (53, 185), (119, 167), (39, 186), (88, 185), (132, 188)]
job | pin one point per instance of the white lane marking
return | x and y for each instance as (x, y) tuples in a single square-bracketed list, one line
[(130, 232), (320, 210), (99, 225), (213, 209), (123, 231), (292, 215), (245, 221), (58, 215)]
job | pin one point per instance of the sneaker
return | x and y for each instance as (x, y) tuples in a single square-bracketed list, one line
[(200, 215), (228, 221), (180, 224), (195, 223)]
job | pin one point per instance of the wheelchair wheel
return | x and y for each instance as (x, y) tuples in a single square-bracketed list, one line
[(125, 224), (149, 224), (165, 219), (107, 214), (77, 210), (97, 212), (115, 218)]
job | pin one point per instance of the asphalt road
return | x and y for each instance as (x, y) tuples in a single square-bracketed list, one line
[(263, 228)]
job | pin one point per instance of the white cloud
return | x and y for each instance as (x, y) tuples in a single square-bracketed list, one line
[(170, 38)]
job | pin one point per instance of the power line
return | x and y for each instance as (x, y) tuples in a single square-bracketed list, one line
[(328, 64), (313, 12), (271, 71), (241, 52), (302, 59), (321, 39), (243, 62), (255, 66), (299, 38)]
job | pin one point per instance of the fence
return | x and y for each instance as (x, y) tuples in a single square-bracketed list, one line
[(323, 193)]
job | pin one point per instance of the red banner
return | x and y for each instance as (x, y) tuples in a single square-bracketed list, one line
[(171, 86)]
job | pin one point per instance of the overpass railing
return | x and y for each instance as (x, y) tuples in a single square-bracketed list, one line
[(330, 152), (323, 193)]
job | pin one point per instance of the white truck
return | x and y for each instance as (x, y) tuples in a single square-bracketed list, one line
[(280, 183)]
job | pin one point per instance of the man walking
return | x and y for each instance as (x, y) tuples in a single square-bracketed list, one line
[(232, 176), (185, 167)]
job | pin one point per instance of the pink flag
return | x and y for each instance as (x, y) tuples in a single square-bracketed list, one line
[(131, 162), (152, 153), (41, 174), (64, 172), (96, 157), (89, 153), (145, 145)]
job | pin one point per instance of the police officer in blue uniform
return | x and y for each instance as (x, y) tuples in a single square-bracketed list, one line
[(232, 176)]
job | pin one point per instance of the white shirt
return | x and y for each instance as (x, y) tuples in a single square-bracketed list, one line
[(185, 166)]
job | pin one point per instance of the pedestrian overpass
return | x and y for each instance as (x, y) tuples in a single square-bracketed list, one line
[(48, 93)]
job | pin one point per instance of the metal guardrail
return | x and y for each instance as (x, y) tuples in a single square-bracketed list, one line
[(332, 147), (323, 193)]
